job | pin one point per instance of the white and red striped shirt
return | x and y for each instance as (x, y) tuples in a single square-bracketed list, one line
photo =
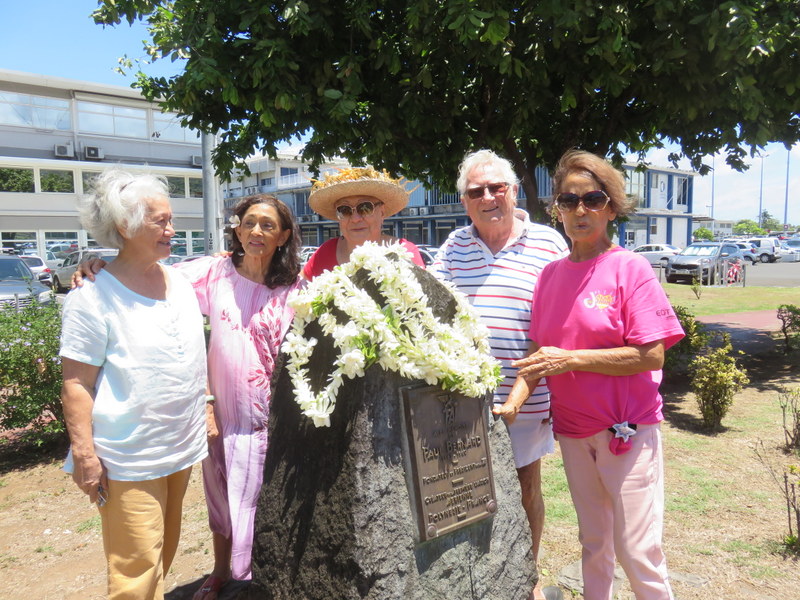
[(500, 287)]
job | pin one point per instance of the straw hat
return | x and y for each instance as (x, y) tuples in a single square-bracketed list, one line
[(357, 182)]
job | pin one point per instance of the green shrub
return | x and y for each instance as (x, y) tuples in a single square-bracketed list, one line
[(678, 358), (715, 380), (789, 316), (30, 370)]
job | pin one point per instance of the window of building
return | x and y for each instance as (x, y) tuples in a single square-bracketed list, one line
[(26, 110), (198, 242), (167, 127), (16, 242), (53, 180), (195, 187), (109, 119), (266, 181), (630, 239), (635, 186), (16, 180), (681, 191), (653, 227), (87, 180), (61, 243), (288, 171), (179, 243), (177, 187)]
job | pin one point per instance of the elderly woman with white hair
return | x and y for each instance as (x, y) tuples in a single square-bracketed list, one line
[(134, 390)]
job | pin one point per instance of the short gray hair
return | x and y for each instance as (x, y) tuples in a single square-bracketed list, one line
[(118, 201), (479, 159)]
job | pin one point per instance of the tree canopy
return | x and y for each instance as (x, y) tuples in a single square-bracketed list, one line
[(768, 222), (411, 85), (703, 233), (747, 227)]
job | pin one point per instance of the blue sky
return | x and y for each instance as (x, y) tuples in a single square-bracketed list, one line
[(58, 38)]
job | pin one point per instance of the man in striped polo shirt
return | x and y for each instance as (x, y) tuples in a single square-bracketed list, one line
[(496, 262)]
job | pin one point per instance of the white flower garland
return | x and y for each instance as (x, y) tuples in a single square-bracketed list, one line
[(403, 336)]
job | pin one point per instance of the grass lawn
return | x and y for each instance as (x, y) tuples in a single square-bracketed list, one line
[(719, 300)]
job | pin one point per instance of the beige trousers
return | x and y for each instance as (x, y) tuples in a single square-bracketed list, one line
[(141, 528)]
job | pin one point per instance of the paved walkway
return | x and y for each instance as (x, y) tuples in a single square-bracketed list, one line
[(750, 331)]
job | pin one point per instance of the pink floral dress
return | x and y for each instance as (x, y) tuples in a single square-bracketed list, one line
[(248, 322)]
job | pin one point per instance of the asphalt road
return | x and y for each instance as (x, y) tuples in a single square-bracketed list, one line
[(779, 274)]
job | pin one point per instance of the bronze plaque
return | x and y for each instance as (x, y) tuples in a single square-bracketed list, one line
[(448, 468)]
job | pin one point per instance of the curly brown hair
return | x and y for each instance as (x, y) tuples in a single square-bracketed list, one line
[(285, 266)]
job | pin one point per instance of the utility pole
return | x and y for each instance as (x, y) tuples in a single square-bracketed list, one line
[(211, 241)]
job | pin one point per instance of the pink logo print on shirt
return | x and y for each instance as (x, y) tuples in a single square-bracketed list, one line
[(599, 301)]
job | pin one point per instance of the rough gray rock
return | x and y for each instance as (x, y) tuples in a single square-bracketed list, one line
[(334, 519)]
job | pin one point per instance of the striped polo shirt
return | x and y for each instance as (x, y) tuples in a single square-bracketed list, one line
[(500, 287)]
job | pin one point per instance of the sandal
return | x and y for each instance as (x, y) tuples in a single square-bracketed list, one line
[(212, 584)]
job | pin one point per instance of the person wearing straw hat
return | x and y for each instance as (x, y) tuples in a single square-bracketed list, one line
[(359, 199)]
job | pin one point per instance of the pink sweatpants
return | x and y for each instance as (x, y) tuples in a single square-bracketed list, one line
[(620, 505)]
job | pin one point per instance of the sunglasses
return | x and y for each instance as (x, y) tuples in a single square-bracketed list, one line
[(495, 189), (595, 201), (365, 209)]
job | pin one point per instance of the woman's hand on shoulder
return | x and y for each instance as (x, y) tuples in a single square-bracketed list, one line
[(87, 269)]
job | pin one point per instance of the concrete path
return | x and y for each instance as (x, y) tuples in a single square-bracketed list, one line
[(750, 331)]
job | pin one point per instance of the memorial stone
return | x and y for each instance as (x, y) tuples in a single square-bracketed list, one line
[(353, 510)]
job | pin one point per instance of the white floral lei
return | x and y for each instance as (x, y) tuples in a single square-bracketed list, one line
[(404, 336)]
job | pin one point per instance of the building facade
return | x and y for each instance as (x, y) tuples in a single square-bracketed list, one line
[(663, 198), (57, 134)]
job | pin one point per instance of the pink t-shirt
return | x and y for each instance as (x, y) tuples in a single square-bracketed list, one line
[(610, 301)]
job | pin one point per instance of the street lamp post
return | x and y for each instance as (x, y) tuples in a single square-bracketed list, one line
[(760, 220), (786, 198)]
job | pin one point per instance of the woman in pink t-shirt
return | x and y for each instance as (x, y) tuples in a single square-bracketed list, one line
[(600, 325)]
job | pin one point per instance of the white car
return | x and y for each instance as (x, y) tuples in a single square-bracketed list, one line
[(657, 254), (40, 269)]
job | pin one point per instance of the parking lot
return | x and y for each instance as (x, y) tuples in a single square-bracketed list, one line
[(779, 274)]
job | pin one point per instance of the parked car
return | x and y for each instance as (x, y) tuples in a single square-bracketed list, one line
[(52, 260), (708, 260), (790, 251), (61, 250), (18, 285), (748, 252), (40, 269), (306, 252), (63, 274), (657, 254), (427, 256), (767, 248)]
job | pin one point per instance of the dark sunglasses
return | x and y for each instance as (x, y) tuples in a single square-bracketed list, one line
[(495, 189), (595, 201), (365, 209)]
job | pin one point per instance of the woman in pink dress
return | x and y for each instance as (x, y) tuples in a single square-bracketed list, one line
[(244, 296)]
